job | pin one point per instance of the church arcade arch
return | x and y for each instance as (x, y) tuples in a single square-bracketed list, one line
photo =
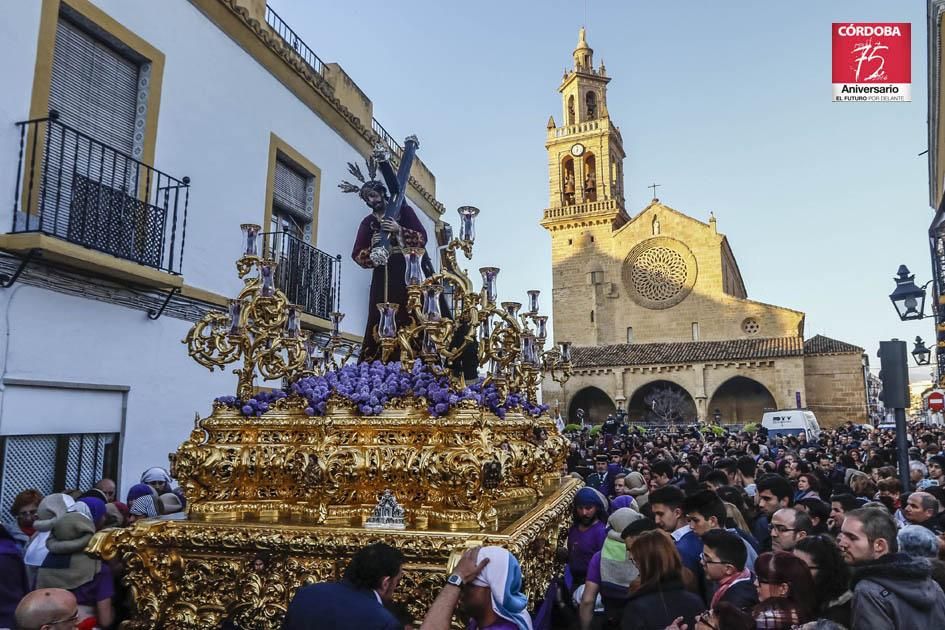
[(596, 404), (673, 403), (740, 400)]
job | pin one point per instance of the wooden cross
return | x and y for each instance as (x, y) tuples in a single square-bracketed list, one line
[(654, 186)]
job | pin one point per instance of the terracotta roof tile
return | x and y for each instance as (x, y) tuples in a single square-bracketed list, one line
[(818, 344), (686, 352)]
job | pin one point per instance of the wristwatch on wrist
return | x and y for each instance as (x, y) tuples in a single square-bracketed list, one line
[(455, 580)]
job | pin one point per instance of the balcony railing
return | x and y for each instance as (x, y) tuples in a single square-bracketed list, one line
[(308, 55), (78, 189), (292, 39), (308, 276)]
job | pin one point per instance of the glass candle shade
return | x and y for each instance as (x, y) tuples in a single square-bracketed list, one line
[(235, 309), (467, 225), (529, 353), (431, 303), (489, 275), (413, 275), (311, 354), (428, 345), (336, 317), (387, 326), (292, 324), (565, 349), (485, 327), (267, 270), (250, 238), (533, 301), (512, 308), (541, 327)]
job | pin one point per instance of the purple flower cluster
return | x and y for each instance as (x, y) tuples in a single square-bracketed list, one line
[(255, 406), (370, 386)]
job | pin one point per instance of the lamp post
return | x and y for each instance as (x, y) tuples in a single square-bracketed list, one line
[(921, 354), (717, 416), (907, 298)]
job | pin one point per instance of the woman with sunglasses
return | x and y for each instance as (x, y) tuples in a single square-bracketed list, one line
[(831, 576), (786, 591)]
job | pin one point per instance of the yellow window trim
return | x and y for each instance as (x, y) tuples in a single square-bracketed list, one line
[(276, 146), (42, 78)]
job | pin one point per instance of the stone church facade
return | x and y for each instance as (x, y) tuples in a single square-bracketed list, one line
[(655, 304)]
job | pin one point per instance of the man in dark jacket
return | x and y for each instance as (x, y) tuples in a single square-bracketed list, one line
[(890, 589), (357, 601), (723, 559)]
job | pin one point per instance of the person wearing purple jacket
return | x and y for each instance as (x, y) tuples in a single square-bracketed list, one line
[(587, 534), (13, 582)]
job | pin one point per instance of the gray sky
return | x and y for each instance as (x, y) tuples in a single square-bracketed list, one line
[(726, 104)]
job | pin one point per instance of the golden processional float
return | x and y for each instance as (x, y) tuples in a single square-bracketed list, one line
[(283, 487)]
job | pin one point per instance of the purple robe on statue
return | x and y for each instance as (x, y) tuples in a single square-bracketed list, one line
[(414, 235)]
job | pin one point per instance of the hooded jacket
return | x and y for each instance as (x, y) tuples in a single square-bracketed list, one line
[(67, 565), (896, 591)]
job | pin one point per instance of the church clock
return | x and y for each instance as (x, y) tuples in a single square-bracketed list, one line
[(577, 150)]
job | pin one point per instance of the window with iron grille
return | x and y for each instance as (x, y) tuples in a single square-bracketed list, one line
[(53, 463)]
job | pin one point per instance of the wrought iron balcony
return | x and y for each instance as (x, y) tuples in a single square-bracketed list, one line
[(308, 276), (78, 189)]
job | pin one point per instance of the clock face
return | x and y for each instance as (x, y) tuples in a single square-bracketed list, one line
[(577, 149)]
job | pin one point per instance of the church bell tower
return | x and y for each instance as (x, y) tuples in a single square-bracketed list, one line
[(585, 176), (585, 154)]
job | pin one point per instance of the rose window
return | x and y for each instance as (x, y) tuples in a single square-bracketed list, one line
[(659, 272), (750, 326)]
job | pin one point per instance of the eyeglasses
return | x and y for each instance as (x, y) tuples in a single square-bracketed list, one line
[(707, 561), (781, 529)]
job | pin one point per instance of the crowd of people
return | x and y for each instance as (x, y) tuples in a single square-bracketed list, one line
[(674, 529), (733, 530), (47, 580)]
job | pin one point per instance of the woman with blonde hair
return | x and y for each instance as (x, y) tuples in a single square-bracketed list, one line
[(658, 597)]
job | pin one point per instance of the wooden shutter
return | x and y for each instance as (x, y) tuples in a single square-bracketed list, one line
[(289, 192), (94, 89)]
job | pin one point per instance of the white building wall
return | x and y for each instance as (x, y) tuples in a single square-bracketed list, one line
[(218, 107)]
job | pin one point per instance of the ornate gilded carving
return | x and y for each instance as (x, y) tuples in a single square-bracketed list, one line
[(190, 575), (448, 472)]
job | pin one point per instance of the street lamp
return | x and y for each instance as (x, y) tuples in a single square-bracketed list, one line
[(717, 416), (908, 298), (921, 354)]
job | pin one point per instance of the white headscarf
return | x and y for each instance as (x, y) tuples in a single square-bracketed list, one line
[(503, 576)]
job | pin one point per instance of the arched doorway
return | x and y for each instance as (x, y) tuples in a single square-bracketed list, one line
[(596, 405), (661, 402), (740, 400)]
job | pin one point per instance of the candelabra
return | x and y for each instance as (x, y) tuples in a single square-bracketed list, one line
[(511, 345), (263, 329)]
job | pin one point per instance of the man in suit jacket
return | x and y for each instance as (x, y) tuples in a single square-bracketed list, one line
[(357, 601)]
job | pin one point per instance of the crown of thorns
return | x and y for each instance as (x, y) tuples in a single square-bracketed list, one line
[(367, 183)]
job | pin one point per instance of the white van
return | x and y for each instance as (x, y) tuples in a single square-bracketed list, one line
[(787, 422)]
